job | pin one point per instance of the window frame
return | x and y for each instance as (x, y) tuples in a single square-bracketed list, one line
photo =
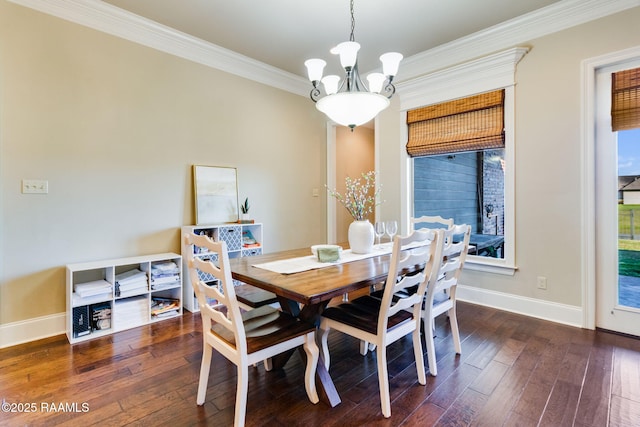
[(482, 75)]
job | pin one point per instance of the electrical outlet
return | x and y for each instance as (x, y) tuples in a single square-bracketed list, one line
[(542, 282), (35, 186)]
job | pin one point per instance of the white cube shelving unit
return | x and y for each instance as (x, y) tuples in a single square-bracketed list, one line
[(96, 306)]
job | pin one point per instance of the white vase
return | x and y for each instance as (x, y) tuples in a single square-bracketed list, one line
[(361, 236)]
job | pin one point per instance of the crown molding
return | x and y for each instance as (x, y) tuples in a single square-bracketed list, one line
[(484, 74), (112, 20), (547, 20)]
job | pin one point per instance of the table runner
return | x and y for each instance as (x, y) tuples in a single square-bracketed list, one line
[(310, 262)]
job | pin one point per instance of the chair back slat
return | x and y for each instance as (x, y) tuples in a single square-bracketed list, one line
[(403, 303), (431, 221), (445, 284), (452, 248), (450, 265), (414, 249)]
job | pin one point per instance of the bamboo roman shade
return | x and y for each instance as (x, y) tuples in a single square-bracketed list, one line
[(625, 100), (468, 124)]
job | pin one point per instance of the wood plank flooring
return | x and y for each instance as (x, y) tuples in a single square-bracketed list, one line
[(514, 371)]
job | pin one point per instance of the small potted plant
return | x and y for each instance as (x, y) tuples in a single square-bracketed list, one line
[(244, 209)]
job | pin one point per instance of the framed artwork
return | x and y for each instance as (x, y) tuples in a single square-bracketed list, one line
[(216, 194)]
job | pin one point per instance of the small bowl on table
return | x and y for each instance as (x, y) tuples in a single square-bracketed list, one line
[(326, 253)]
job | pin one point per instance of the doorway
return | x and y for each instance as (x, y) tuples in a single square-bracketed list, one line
[(617, 248), (350, 153)]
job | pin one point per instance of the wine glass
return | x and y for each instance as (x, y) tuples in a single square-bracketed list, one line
[(379, 230), (392, 228)]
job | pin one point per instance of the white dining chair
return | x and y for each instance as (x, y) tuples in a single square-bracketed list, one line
[(244, 338), (384, 321), (425, 221), (441, 295)]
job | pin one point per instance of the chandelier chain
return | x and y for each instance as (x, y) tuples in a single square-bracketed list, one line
[(353, 24)]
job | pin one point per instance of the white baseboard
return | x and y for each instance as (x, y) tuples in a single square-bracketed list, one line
[(32, 329), (560, 313), (47, 326)]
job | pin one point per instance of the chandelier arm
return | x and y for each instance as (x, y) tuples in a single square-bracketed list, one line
[(360, 86), (343, 83), (315, 94), (347, 84), (353, 81), (388, 90)]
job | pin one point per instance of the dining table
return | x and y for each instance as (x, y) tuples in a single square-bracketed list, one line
[(304, 286)]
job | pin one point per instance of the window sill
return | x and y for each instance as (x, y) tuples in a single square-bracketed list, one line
[(489, 265)]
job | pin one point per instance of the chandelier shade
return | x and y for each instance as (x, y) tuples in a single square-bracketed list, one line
[(352, 109), (350, 102)]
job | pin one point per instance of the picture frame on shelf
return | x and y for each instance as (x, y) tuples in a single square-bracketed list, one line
[(216, 194)]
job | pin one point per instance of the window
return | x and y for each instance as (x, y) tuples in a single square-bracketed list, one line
[(471, 183), (458, 166), (468, 187)]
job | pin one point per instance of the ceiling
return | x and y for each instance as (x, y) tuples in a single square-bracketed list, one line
[(284, 33)]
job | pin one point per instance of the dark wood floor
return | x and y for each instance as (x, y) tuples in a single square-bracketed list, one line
[(514, 371)]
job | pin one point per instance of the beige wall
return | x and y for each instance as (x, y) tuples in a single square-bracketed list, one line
[(354, 156), (115, 128), (548, 158)]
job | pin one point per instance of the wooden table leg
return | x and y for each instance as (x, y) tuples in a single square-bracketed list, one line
[(326, 389), (279, 360), (289, 306), (324, 384)]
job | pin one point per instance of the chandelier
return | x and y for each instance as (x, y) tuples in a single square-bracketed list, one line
[(349, 102)]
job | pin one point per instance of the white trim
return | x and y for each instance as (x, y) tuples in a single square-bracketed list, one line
[(112, 20), (508, 264), (588, 181), (32, 329), (489, 265), (547, 20), (587, 192), (406, 174), (546, 310), (332, 227), (477, 76), (376, 163)]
